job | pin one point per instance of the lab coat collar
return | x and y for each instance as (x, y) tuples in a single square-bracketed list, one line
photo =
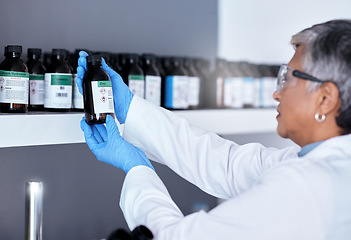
[(336, 148)]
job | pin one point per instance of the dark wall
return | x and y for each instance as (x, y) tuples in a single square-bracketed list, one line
[(82, 194)]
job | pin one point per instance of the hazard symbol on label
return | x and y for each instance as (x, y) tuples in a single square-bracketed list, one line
[(33, 91), (2, 80), (103, 99), (2, 88), (33, 83), (103, 91)]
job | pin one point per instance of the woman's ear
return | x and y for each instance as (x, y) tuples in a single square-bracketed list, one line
[(329, 100)]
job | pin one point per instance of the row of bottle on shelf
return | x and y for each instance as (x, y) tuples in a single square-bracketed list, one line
[(171, 82)]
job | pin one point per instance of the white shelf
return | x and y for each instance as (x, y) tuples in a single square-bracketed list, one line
[(62, 128)]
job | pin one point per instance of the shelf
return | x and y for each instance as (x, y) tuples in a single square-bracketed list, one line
[(62, 128)]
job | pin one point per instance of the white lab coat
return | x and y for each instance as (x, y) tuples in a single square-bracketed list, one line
[(271, 194)]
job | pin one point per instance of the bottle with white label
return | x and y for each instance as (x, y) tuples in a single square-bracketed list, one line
[(152, 79), (58, 83), (36, 71), (222, 82), (97, 92), (77, 98), (14, 81), (194, 83), (136, 79), (176, 86)]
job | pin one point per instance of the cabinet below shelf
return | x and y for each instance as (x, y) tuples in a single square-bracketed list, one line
[(62, 128)]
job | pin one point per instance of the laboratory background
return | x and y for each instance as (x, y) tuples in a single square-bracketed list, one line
[(81, 194)]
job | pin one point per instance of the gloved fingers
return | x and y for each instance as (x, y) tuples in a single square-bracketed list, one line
[(97, 134), (82, 61), (88, 134), (102, 130), (79, 82), (111, 126), (83, 54), (113, 75)]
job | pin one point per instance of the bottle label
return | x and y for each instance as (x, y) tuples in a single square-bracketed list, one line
[(268, 85), (194, 91), (153, 89), (219, 92), (237, 92), (14, 87), (78, 102), (36, 89), (102, 96), (176, 92), (137, 85), (58, 90), (249, 91)]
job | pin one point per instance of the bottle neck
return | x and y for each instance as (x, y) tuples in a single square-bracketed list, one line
[(33, 57), (13, 55)]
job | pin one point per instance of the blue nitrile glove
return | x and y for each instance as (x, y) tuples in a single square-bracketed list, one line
[(109, 147), (122, 96)]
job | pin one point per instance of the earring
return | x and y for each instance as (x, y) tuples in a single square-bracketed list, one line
[(319, 118)]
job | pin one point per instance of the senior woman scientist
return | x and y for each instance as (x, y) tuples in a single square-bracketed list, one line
[(291, 193)]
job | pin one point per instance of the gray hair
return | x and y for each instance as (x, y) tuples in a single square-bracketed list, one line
[(328, 57)]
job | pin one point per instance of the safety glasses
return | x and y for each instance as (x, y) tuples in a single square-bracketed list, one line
[(287, 77)]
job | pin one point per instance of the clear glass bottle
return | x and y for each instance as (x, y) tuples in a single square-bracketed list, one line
[(152, 79), (194, 83), (97, 92), (58, 83), (14, 81), (36, 71), (136, 79)]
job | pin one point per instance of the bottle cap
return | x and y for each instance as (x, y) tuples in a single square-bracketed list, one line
[(59, 51), (142, 233), (94, 59), (13, 48), (34, 51)]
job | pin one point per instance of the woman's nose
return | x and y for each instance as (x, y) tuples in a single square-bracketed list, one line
[(276, 96)]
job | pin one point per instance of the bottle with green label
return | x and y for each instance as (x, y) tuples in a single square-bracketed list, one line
[(14, 81), (136, 79), (152, 79), (97, 92), (58, 83), (36, 71)]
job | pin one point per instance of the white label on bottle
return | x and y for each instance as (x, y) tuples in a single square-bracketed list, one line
[(78, 102), (219, 91), (194, 91), (267, 88), (177, 92), (102, 97), (256, 89), (153, 89), (228, 92), (36, 89), (58, 90), (136, 84), (237, 92), (14, 87), (249, 90)]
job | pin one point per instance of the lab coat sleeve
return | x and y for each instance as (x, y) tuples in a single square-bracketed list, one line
[(268, 210), (219, 167)]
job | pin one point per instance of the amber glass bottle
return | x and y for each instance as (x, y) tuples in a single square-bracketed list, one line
[(14, 81), (97, 92)]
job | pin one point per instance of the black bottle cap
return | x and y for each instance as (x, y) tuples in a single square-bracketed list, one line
[(119, 234), (13, 48), (34, 51), (142, 233), (94, 60), (59, 51)]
